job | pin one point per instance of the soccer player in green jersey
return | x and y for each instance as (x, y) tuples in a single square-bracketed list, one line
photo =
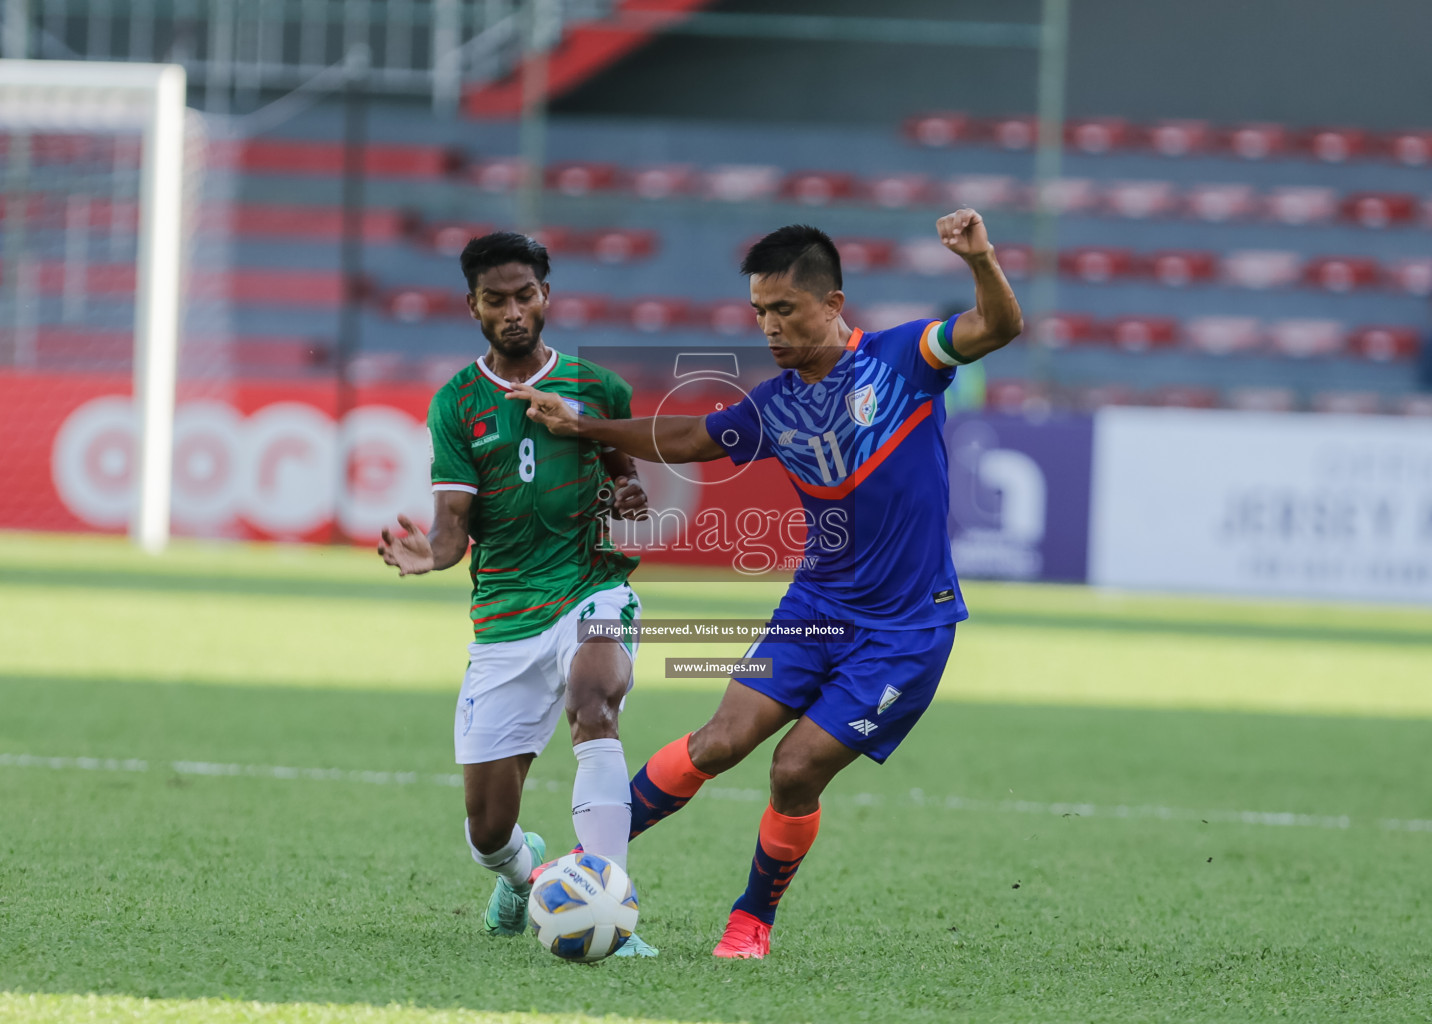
[(536, 507)]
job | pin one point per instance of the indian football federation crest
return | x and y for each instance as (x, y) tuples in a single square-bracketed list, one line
[(888, 697), (861, 405)]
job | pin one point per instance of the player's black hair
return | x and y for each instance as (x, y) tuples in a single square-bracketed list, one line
[(807, 252), (501, 247)]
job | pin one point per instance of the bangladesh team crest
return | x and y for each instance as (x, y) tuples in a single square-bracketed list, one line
[(861, 404)]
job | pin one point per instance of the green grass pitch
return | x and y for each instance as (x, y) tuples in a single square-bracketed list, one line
[(226, 794)]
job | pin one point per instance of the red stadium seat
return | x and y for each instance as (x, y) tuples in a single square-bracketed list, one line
[(1098, 135), (1016, 133), (1179, 138), (741, 183), (1343, 273), (574, 312), (372, 367), (818, 188), (1177, 268), (897, 191), (1015, 396), (1143, 333), (1100, 396), (1138, 200), (620, 245), (450, 239), (1017, 261), (1412, 276), (1306, 338), (1384, 344), (651, 316), (1262, 268), (664, 181), (579, 178), (1300, 204), (1336, 145), (1379, 209), (1224, 335), (879, 316), (1257, 141), (1263, 399), (1069, 195), (1061, 330), (1180, 396), (500, 176), (938, 130), (1348, 403), (925, 255), (732, 317), (984, 191), (1412, 405), (1414, 149), (559, 239), (859, 255), (415, 305), (1219, 203), (1095, 264)]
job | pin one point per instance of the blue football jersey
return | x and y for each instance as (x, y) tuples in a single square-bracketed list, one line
[(864, 449)]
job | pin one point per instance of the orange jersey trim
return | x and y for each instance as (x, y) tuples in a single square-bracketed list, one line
[(854, 342), (926, 351), (880, 454)]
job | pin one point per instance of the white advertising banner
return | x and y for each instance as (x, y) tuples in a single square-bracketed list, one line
[(1236, 502)]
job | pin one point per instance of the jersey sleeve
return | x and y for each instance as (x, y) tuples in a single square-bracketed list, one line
[(738, 429), (452, 468)]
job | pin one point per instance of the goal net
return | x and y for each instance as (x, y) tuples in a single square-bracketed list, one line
[(97, 202)]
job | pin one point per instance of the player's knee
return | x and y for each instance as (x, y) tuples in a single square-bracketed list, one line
[(794, 780), (713, 750), (594, 719)]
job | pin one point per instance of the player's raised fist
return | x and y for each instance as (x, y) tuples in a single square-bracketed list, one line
[(552, 411), (411, 553), (963, 233)]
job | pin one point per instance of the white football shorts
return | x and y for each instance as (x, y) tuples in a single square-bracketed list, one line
[(514, 692)]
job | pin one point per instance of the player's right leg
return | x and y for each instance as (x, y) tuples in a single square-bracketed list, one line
[(492, 791)]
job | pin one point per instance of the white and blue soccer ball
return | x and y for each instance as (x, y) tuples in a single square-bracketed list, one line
[(583, 908)]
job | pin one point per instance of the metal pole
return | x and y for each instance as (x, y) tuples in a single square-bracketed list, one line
[(1048, 159), (447, 57), (350, 309), (16, 44), (533, 131)]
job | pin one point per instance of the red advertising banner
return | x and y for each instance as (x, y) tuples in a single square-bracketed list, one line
[(266, 460)]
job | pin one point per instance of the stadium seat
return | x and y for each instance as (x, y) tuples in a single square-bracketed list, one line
[(499, 176), (1096, 264), (1177, 268), (1307, 337), (373, 367), (1262, 399), (984, 191), (1068, 195), (1413, 149), (448, 239), (617, 245), (1099, 396), (1336, 145), (664, 181), (741, 183), (1412, 276), (1014, 133), (926, 255), (1385, 344), (1179, 138), (1342, 273), (732, 317), (651, 316), (1262, 268), (1008, 395), (415, 305), (1062, 330), (939, 130), (859, 255), (574, 311), (1220, 203), (1098, 135), (1143, 333), (1139, 200), (897, 191), (1256, 141), (818, 188), (1223, 335), (878, 316), (1017, 261), (1301, 204), (1379, 209), (271, 220), (579, 178), (1356, 403)]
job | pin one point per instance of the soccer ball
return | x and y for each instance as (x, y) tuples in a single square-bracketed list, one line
[(582, 908)]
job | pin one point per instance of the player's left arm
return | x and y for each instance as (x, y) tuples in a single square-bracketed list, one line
[(629, 501), (996, 319)]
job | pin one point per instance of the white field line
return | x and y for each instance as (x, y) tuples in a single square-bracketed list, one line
[(915, 798)]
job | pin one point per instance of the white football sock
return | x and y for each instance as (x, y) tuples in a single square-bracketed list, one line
[(601, 800), (513, 862)]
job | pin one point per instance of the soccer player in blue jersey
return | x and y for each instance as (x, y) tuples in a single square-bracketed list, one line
[(855, 420)]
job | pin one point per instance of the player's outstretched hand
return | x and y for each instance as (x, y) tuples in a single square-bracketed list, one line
[(411, 553), (547, 409), (963, 233), (630, 501)]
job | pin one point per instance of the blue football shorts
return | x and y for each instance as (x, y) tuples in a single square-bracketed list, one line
[(867, 689)]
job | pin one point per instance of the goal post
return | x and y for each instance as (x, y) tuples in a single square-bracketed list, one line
[(80, 96)]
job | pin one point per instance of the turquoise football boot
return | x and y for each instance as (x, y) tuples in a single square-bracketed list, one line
[(507, 907), (636, 946)]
